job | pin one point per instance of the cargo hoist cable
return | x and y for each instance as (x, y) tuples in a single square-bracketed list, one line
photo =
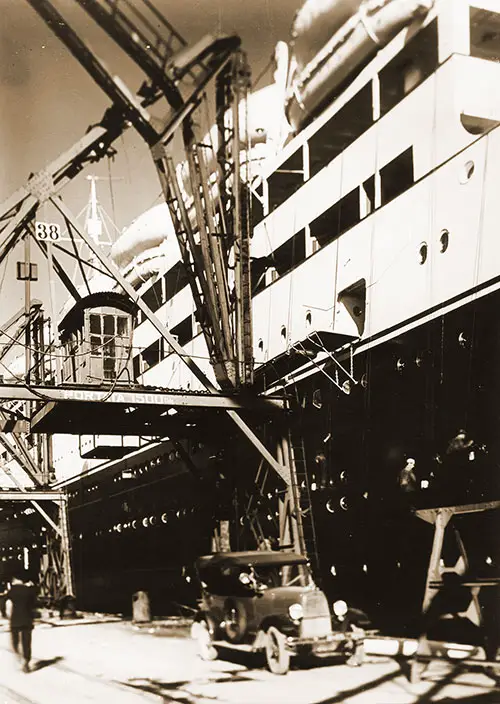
[(111, 191)]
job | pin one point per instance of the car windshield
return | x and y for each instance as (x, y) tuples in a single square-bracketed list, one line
[(245, 579), (277, 576)]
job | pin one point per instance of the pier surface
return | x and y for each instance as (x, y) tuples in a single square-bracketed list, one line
[(114, 662)]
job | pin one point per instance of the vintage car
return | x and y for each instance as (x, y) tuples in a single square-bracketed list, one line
[(264, 601)]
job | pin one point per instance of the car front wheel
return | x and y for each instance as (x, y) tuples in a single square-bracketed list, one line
[(277, 656), (200, 632)]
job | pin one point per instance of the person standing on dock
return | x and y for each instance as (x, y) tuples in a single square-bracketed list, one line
[(21, 601)]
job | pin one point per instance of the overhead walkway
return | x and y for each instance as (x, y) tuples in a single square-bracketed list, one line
[(115, 410)]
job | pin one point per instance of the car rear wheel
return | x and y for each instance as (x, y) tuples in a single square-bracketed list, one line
[(277, 656), (200, 632), (235, 620)]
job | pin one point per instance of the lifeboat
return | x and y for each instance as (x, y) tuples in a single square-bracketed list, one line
[(349, 31)]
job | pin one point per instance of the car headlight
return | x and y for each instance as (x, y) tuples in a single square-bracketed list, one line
[(295, 611)]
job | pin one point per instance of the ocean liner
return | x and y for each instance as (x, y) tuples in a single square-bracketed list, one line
[(375, 283)]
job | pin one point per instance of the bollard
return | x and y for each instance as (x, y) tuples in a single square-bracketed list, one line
[(141, 612)]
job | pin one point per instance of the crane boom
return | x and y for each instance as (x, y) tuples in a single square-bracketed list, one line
[(212, 221)]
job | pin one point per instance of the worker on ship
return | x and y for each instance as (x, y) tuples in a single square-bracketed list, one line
[(408, 485), (407, 479)]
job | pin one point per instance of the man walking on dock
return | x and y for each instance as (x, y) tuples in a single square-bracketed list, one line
[(21, 599)]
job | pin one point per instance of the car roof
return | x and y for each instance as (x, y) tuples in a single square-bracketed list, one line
[(251, 558)]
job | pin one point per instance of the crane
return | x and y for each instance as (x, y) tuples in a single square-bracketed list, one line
[(221, 225), (211, 221)]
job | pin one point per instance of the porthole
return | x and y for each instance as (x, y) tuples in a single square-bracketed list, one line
[(330, 506), (317, 401), (260, 345), (467, 171), (422, 253), (283, 332), (400, 365), (444, 241), (346, 387), (344, 504), (462, 339), (364, 381), (309, 318)]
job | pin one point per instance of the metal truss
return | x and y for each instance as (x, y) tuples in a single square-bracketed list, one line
[(19, 211), (56, 573), (214, 243), (207, 242)]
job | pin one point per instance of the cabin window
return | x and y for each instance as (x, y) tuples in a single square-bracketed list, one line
[(290, 253), (153, 297), (152, 354), (257, 207), (367, 201), (287, 179), (258, 268), (337, 219), (341, 130), (184, 330), (484, 34), (397, 176), (136, 364), (175, 280), (414, 63), (109, 341)]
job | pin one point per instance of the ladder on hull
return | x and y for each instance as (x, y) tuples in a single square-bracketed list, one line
[(302, 511)]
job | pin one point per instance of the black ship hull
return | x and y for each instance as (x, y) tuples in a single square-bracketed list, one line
[(415, 392)]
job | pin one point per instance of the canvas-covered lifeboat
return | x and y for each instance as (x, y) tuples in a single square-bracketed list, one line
[(333, 38)]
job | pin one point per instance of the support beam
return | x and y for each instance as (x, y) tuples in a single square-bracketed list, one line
[(96, 69), (27, 465), (35, 495), (29, 496)]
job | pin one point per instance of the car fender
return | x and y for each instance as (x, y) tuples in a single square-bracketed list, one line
[(281, 622)]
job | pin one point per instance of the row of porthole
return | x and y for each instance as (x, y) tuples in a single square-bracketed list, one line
[(11, 548), (146, 522), (284, 331), (462, 340), (155, 462), (423, 249), (465, 176), (333, 570)]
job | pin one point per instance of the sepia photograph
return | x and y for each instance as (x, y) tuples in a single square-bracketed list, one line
[(250, 352)]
